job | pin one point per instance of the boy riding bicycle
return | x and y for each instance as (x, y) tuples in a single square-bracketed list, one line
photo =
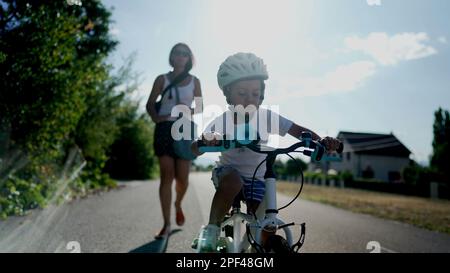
[(241, 78)]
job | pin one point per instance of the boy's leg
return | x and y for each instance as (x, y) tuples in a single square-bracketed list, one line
[(261, 210), (252, 206), (229, 186), (254, 194), (257, 205)]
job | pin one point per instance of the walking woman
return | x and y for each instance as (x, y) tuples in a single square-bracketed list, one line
[(171, 166)]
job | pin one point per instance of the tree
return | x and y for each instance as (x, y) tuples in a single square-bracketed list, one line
[(131, 155), (289, 168), (53, 68), (53, 73), (57, 92), (279, 168), (440, 159), (295, 167)]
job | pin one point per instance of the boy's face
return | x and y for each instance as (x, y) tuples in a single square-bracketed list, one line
[(245, 93)]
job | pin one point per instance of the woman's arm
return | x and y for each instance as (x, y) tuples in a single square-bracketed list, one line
[(198, 95), (156, 91)]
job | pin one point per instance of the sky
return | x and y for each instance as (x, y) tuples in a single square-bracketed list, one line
[(376, 66)]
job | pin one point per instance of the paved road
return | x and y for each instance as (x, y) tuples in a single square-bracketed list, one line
[(125, 220)]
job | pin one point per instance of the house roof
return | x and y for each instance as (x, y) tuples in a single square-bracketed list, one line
[(374, 144)]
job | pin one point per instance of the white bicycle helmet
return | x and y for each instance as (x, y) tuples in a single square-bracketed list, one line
[(241, 66)]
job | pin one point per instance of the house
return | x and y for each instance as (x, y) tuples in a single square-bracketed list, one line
[(366, 155)]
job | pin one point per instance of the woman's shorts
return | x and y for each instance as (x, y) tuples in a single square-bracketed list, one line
[(163, 141), (258, 185)]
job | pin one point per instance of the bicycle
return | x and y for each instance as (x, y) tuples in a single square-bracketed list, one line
[(230, 239)]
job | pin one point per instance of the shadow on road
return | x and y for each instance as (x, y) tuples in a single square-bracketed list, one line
[(155, 246)]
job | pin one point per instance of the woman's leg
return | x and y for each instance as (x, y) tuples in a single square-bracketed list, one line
[(182, 181), (167, 174)]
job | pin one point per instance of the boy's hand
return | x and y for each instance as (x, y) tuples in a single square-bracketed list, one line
[(331, 144), (211, 139), (207, 139)]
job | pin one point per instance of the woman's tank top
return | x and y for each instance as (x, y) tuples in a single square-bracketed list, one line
[(185, 93)]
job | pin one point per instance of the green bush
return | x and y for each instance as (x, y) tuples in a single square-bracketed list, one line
[(57, 92), (131, 155), (369, 180), (417, 175), (346, 176), (18, 195)]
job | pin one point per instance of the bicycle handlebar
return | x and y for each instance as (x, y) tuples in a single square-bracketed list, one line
[(314, 149)]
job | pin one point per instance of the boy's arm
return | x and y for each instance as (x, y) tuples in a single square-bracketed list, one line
[(296, 131), (331, 144)]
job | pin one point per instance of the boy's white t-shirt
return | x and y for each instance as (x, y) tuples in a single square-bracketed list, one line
[(245, 160)]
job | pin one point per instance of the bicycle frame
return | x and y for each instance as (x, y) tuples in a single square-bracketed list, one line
[(235, 245), (269, 218), (267, 210)]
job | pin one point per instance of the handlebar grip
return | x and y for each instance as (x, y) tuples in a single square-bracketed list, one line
[(210, 149), (223, 145)]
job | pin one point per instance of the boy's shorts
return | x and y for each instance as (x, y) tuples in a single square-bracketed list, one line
[(258, 185)]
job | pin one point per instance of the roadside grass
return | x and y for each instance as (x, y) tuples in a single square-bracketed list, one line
[(421, 212)]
